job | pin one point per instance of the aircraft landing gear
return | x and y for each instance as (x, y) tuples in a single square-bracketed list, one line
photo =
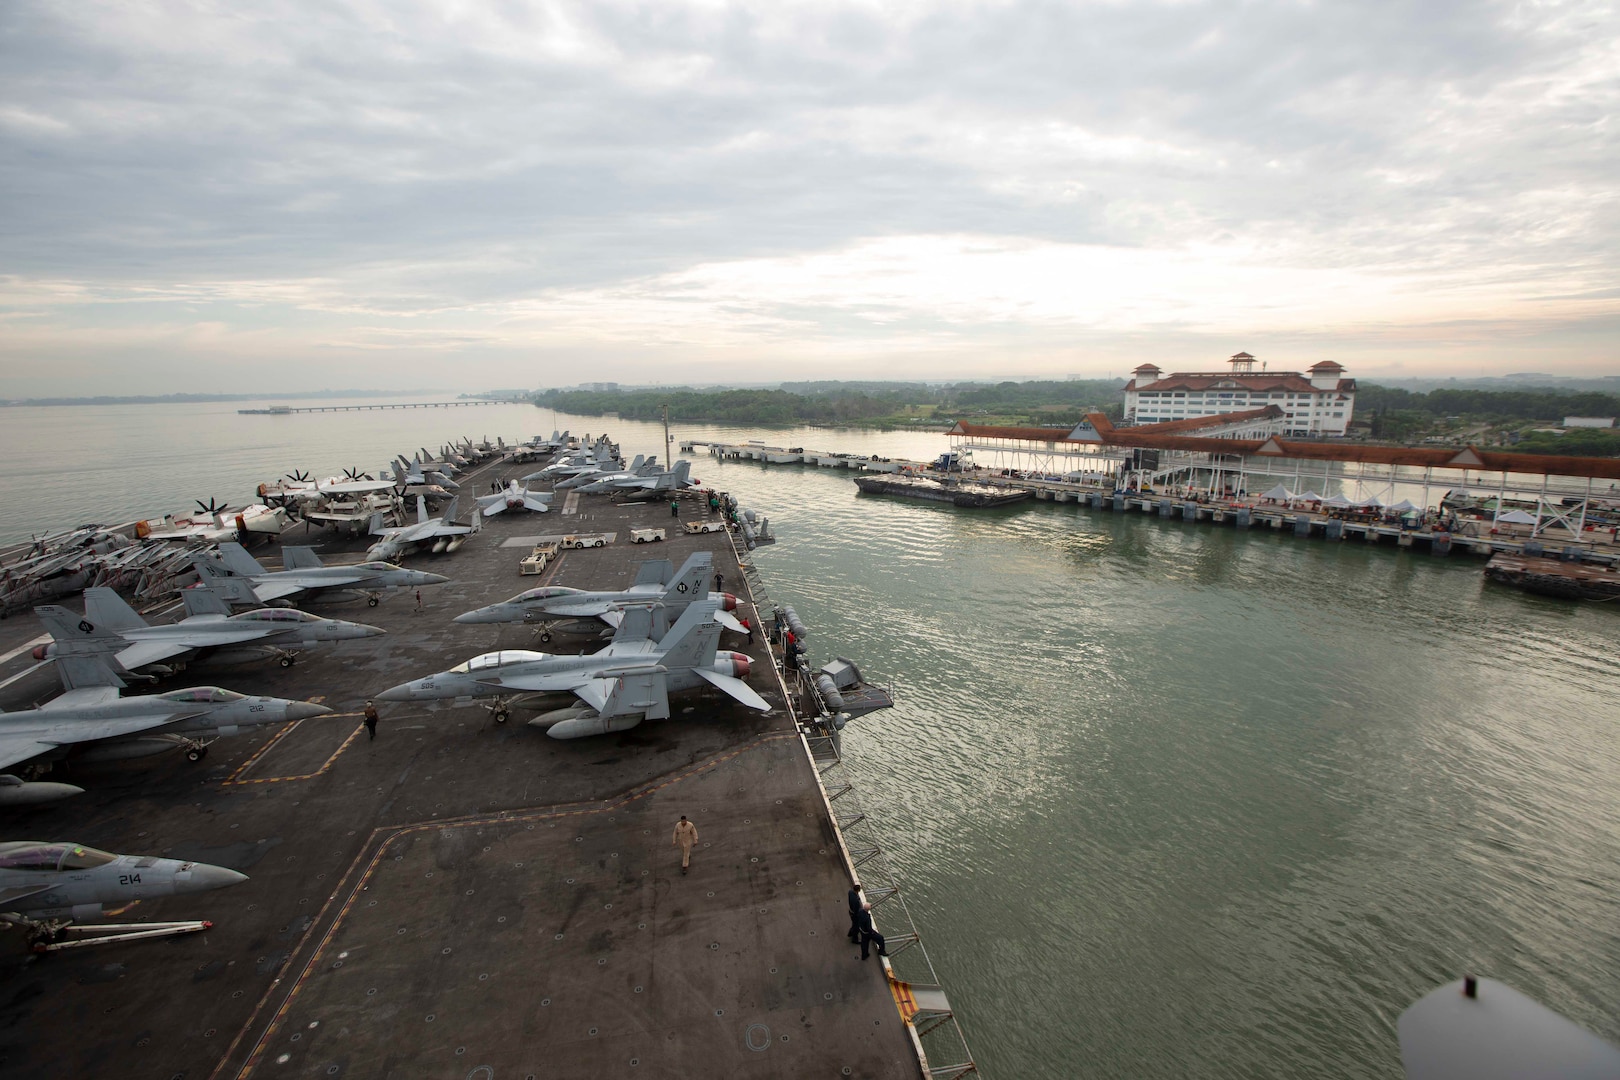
[(371, 600), (287, 659), (195, 750)]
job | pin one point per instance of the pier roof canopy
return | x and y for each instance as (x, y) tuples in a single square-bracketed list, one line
[(1157, 437)]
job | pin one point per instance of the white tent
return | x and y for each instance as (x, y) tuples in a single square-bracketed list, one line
[(1278, 493), (1517, 517), (1338, 502), (1402, 507), (1370, 501), (1309, 496)]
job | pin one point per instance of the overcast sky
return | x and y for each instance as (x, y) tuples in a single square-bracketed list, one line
[(270, 195)]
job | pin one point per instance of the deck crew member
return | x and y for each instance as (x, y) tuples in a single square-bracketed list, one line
[(855, 902), (371, 719), (685, 837), (869, 933)]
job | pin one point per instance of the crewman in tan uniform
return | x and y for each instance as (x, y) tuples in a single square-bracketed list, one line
[(685, 837)]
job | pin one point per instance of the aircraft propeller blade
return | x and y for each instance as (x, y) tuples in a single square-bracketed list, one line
[(211, 507)]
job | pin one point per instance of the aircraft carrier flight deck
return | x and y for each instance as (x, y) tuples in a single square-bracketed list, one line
[(461, 897)]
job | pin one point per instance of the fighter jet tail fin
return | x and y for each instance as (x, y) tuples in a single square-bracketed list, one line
[(204, 600), (300, 558), (75, 635), (655, 572), (692, 641), (106, 608), (682, 473), (234, 589), (636, 622), (78, 671), (421, 509), (238, 561), (691, 579)]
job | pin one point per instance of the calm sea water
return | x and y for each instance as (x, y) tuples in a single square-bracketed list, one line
[(1165, 799)]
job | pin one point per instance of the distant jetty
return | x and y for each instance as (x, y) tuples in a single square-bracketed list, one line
[(287, 410)]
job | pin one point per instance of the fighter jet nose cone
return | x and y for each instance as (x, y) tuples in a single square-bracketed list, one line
[(304, 710), (371, 631), (401, 692), (468, 617), (202, 877), (437, 579)]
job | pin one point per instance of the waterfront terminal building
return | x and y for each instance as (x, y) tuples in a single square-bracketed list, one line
[(1318, 403)]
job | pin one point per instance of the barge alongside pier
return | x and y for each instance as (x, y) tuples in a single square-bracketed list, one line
[(1555, 577), (956, 492)]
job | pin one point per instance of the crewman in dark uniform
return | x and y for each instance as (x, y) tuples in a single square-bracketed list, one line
[(855, 912), (869, 933), (371, 719)]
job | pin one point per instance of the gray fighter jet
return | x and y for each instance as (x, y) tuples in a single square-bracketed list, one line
[(304, 573), (656, 485), (549, 606), (93, 723), (208, 627), (440, 533), (43, 882), (410, 474), (514, 496), (620, 686)]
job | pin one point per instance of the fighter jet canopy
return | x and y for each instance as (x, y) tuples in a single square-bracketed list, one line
[(202, 695), (31, 855), (496, 659)]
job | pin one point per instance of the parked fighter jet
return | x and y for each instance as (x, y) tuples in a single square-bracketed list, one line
[(641, 466), (92, 722), (441, 533), (44, 883), (629, 680), (648, 485), (208, 626), (413, 474), (304, 573), (539, 446), (552, 604), (514, 497), (599, 458)]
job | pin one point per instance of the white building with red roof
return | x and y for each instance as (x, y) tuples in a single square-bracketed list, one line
[(1318, 402)]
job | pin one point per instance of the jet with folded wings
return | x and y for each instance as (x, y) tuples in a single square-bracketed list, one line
[(234, 569), (209, 627), (626, 682)]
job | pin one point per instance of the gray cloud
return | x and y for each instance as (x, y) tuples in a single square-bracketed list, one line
[(305, 169)]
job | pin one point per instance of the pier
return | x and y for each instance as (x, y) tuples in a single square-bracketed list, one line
[(288, 410), (1565, 535)]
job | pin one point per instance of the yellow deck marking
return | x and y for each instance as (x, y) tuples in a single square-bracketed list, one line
[(235, 779)]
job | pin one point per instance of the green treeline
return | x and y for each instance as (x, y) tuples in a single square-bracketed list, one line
[(854, 403), (1530, 404), (733, 406)]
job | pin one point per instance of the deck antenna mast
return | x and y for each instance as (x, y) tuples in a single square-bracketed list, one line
[(669, 462)]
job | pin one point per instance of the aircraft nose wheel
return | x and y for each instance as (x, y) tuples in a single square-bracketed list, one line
[(196, 753), (500, 716), (286, 661), (371, 601)]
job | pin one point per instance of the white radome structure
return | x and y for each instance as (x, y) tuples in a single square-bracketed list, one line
[(1317, 403)]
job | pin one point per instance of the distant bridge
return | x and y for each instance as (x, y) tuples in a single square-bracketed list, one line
[(286, 410)]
